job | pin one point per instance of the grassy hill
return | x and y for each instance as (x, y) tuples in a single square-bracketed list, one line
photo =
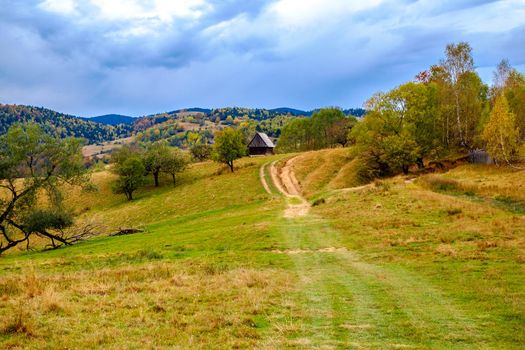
[(435, 263)]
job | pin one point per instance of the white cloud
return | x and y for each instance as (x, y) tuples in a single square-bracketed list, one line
[(64, 7), (300, 13)]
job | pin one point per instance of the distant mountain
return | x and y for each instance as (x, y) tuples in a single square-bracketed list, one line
[(191, 110), (112, 119), (356, 112), (290, 111), (59, 124)]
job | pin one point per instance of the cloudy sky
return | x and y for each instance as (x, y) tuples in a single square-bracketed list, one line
[(135, 57)]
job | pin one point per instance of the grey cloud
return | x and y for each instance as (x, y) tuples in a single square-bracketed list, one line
[(77, 65)]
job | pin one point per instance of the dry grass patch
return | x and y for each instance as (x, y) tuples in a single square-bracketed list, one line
[(158, 304)]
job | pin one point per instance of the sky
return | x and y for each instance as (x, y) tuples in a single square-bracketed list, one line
[(138, 57)]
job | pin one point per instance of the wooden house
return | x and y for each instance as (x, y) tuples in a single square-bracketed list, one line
[(260, 145)]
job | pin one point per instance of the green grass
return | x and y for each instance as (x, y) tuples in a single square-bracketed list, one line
[(397, 265), (466, 259)]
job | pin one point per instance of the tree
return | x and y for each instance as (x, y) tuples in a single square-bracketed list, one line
[(509, 81), (399, 130), (193, 138), (175, 162), (463, 90), (500, 133), (229, 146), (248, 129), (154, 157), (421, 105), (340, 129), (295, 136), (458, 62), (385, 145), (119, 155), (324, 132), (501, 76), (327, 127), (131, 176), (201, 151), (399, 152), (515, 93), (33, 165)]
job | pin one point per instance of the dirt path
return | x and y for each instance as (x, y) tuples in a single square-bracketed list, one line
[(348, 302), (287, 184), (263, 179)]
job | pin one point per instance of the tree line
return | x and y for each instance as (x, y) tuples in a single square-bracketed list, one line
[(327, 127), (446, 110)]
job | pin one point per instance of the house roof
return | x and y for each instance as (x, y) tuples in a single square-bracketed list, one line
[(261, 140)]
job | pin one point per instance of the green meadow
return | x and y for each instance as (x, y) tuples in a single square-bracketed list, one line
[(435, 262)]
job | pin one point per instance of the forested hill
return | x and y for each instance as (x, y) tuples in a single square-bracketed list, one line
[(230, 114), (113, 126), (59, 124)]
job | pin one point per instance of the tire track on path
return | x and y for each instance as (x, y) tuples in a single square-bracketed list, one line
[(349, 302), (263, 178)]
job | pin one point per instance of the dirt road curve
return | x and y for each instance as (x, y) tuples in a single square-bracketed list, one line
[(287, 184)]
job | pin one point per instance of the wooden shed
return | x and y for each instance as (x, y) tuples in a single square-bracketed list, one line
[(261, 145)]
